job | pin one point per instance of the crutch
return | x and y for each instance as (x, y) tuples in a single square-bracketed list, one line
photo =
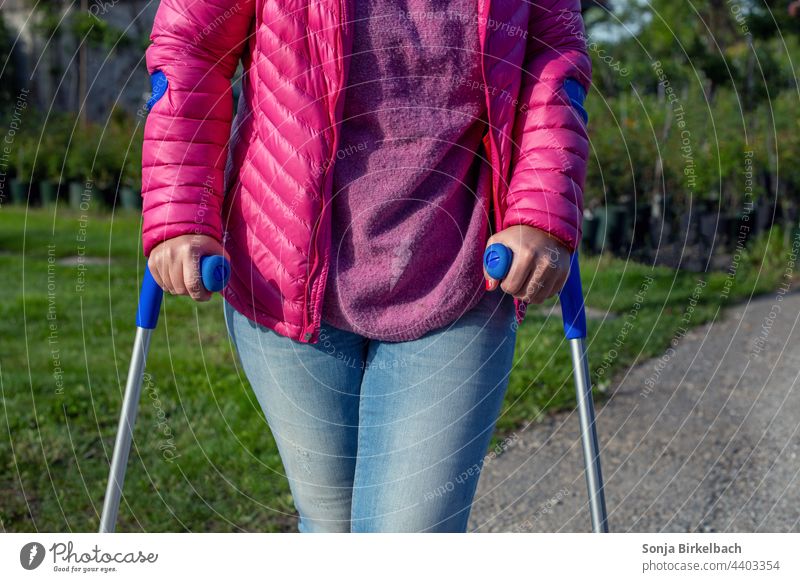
[(497, 261), (215, 272)]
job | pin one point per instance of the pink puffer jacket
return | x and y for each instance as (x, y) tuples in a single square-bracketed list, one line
[(263, 186)]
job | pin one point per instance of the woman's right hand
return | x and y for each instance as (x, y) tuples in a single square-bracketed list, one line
[(175, 264)]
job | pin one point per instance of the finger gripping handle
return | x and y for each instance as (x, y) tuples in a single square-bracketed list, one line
[(497, 262), (215, 270)]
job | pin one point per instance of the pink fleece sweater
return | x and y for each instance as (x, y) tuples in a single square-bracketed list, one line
[(410, 185)]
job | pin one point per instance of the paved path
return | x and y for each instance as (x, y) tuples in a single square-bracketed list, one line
[(714, 445)]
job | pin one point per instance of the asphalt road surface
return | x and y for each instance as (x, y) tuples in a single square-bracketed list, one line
[(705, 438)]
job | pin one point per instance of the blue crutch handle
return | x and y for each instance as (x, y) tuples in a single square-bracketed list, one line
[(215, 270), (573, 311), (149, 302), (497, 261)]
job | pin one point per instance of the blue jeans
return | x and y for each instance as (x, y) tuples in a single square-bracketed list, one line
[(383, 436)]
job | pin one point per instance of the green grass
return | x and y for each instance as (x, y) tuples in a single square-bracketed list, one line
[(204, 458)]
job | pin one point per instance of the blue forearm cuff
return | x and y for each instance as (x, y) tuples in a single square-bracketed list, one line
[(577, 95), (159, 84)]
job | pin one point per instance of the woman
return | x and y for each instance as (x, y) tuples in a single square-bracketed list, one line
[(377, 149)]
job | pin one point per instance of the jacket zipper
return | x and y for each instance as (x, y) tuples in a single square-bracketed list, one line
[(519, 307), (491, 146), (313, 302)]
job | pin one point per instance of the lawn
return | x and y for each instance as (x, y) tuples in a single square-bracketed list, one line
[(203, 458)]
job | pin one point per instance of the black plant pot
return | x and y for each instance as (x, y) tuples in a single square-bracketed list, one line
[(640, 222), (48, 192), (613, 228), (601, 230), (590, 225), (76, 194), (129, 198), (19, 192)]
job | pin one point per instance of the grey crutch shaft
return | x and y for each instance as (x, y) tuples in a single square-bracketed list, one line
[(127, 420), (591, 448)]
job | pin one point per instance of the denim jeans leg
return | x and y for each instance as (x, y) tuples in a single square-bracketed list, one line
[(428, 411), (310, 395)]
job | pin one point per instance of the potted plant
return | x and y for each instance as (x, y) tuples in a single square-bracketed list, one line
[(55, 140), (23, 162), (48, 191), (50, 158), (106, 171), (131, 180), (79, 154), (123, 145)]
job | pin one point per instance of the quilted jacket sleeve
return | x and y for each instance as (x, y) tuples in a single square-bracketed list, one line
[(196, 44), (551, 144)]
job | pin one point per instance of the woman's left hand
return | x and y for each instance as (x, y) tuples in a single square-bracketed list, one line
[(540, 265)]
